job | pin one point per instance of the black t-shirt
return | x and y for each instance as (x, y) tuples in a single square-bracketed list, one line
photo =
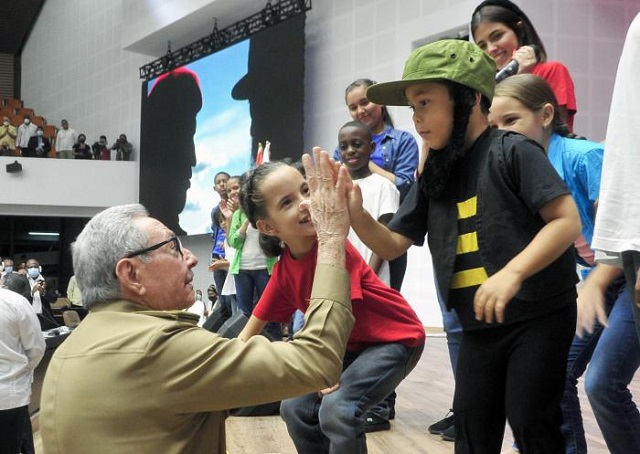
[(535, 184)]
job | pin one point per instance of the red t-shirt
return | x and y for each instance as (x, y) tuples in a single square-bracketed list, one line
[(381, 313), (558, 77)]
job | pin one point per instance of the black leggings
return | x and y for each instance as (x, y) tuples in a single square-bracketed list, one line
[(516, 371)]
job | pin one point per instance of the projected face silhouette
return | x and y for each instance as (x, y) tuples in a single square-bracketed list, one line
[(167, 148), (274, 87)]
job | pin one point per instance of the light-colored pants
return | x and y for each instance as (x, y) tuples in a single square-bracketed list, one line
[(64, 154)]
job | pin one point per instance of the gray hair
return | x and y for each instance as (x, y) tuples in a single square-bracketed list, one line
[(107, 238)]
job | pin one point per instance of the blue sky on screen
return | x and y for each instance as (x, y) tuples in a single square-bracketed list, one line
[(223, 137)]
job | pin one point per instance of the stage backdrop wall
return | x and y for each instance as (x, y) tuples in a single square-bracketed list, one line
[(210, 115)]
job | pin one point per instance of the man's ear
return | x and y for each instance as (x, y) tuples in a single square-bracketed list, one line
[(265, 227), (128, 277)]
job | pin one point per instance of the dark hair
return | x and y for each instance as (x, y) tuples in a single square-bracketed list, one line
[(296, 165), (534, 92), (509, 14), (464, 98), (222, 172), (254, 204), (359, 125), (439, 165), (386, 116), (217, 217)]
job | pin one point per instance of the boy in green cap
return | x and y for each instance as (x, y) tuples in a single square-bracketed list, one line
[(501, 224)]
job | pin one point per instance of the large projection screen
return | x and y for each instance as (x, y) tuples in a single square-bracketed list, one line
[(210, 115)]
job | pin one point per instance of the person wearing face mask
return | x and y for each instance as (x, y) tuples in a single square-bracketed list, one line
[(123, 148), (39, 145), (65, 139), (41, 298), (25, 131), (81, 150), (101, 150), (8, 134)]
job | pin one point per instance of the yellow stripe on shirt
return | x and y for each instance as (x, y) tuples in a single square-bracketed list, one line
[(467, 243), (468, 208), (468, 278)]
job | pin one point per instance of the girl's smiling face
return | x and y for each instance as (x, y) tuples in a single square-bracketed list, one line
[(284, 190), (363, 110), (497, 40), (510, 114), (233, 188)]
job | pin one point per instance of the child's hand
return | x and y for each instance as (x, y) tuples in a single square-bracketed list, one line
[(227, 207), (494, 294), (354, 198), (219, 264)]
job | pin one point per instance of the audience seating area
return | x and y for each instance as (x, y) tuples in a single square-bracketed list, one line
[(15, 110)]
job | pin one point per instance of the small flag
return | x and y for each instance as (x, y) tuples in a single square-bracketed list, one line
[(259, 154)]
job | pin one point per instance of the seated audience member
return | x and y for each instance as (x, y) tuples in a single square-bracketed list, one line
[(21, 349), (151, 363), (39, 146), (8, 134), (73, 292), (26, 130), (101, 149), (15, 281), (22, 268), (81, 150), (123, 148)]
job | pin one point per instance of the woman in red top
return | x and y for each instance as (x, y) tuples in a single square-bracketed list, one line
[(387, 339), (503, 31)]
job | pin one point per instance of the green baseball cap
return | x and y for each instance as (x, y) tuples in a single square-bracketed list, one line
[(449, 59)]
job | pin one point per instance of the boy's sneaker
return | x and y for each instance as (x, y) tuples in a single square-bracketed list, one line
[(439, 427), (374, 423), (449, 434)]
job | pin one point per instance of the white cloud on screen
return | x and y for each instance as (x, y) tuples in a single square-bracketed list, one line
[(223, 142)]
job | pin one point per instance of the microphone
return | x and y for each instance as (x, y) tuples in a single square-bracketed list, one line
[(512, 67)]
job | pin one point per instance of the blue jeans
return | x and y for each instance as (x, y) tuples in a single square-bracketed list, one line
[(453, 329), (249, 287), (335, 423), (631, 264), (297, 321), (613, 355)]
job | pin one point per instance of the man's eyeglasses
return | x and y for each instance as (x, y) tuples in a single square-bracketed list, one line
[(175, 239)]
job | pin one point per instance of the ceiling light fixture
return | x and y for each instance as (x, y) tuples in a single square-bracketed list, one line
[(44, 234)]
